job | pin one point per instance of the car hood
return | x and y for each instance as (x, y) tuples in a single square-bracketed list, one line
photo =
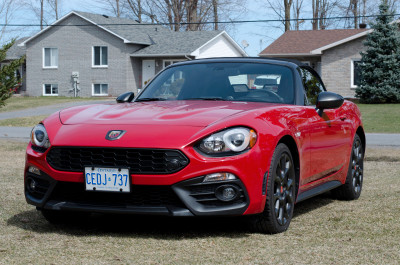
[(187, 113)]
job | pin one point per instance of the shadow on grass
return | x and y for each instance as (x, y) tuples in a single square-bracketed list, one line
[(158, 227)]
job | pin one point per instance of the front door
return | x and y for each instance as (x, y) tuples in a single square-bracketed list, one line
[(149, 70), (328, 134)]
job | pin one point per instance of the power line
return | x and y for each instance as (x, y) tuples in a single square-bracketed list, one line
[(200, 23)]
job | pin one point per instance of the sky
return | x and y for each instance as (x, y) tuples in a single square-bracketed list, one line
[(257, 35)]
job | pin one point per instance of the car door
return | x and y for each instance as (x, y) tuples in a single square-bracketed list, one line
[(328, 132)]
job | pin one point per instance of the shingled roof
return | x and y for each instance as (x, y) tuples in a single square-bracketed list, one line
[(172, 43), (15, 52), (156, 40), (126, 28), (303, 42)]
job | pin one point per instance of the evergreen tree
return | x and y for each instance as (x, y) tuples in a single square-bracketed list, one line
[(380, 67), (8, 80)]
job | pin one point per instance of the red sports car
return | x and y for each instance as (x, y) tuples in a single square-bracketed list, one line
[(198, 142)]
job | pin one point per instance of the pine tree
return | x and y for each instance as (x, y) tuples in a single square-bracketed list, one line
[(8, 79), (380, 67)]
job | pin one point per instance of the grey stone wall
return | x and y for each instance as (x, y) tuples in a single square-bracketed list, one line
[(336, 66), (74, 45)]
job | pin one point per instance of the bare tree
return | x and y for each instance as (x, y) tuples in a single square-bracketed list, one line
[(54, 7), (215, 10), (7, 7), (297, 8), (288, 5)]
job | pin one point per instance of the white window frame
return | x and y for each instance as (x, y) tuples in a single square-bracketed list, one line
[(99, 95), (171, 61), (352, 85), (44, 58), (50, 95), (101, 65)]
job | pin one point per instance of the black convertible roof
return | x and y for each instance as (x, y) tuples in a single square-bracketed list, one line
[(287, 62)]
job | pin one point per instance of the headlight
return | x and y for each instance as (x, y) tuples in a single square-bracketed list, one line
[(39, 136), (229, 142)]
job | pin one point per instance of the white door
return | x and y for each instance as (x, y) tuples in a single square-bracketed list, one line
[(149, 70)]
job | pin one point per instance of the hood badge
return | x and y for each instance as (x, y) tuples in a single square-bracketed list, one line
[(115, 134)]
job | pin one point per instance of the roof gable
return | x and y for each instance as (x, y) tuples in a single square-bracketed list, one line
[(308, 42), (127, 30)]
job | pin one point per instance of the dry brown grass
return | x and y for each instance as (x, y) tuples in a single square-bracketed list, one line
[(324, 230)]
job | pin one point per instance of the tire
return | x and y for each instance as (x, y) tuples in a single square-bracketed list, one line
[(351, 189), (63, 217), (279, 204)]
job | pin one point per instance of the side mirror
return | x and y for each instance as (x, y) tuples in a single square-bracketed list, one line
[(126, 97), (329, 100)]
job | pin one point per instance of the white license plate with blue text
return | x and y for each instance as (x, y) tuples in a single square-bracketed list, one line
[(107, 179)]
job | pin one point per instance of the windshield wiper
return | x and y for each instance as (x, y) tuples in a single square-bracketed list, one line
[(206, 98), (150, 99)]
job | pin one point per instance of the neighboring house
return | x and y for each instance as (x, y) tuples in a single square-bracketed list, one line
[(14, 53), (334, 54), (106, 56)]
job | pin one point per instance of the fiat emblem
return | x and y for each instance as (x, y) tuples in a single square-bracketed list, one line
[(115, 134)]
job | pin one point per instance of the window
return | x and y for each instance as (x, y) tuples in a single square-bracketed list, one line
[(312, 85), (100, 90), (50, 90), (50, 57), (224, 81), (100, 56), (355, 73), (170, 62)]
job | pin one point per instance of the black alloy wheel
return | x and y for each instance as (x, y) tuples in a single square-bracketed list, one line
[(283, 190), (351, 189), (279, 205)]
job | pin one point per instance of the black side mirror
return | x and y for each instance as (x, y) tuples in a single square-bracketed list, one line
[(126, 97), (329, 100)]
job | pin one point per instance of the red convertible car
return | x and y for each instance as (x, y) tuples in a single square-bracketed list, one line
[(198, 141)]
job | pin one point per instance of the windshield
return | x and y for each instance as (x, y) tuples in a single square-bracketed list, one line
[(223, 81)]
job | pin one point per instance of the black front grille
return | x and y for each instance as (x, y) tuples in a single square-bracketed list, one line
[(140, 195), (140, 161)]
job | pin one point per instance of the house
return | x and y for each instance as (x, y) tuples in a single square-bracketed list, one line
[(87, 54), (14, 53), (334, 54)]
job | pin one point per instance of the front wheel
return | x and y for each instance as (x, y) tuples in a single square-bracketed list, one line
[(279, 204)]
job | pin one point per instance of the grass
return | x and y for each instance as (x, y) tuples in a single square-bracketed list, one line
[(18, 103), (380, 118), (23, 122), (323, 231)]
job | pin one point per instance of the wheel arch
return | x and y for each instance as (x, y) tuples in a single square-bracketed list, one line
[(291, 144), (361, 134)]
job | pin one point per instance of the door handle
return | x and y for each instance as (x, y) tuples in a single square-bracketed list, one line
[(343, 118)]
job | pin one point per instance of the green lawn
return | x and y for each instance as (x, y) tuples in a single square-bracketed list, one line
[(381, 118), (18, 103)]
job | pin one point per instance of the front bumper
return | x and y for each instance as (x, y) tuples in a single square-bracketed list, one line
[(179, 194), (186, 198)]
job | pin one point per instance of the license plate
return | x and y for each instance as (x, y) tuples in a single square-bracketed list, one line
[(107, 179)]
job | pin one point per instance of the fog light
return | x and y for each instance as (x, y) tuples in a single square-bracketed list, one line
[(226, 193), (31, 184), (34, 170), (219, 177)]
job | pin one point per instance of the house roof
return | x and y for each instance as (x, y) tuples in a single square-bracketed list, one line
[(16, 51), (311, 42), (173, 43), (158, 40), (128, 30)]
